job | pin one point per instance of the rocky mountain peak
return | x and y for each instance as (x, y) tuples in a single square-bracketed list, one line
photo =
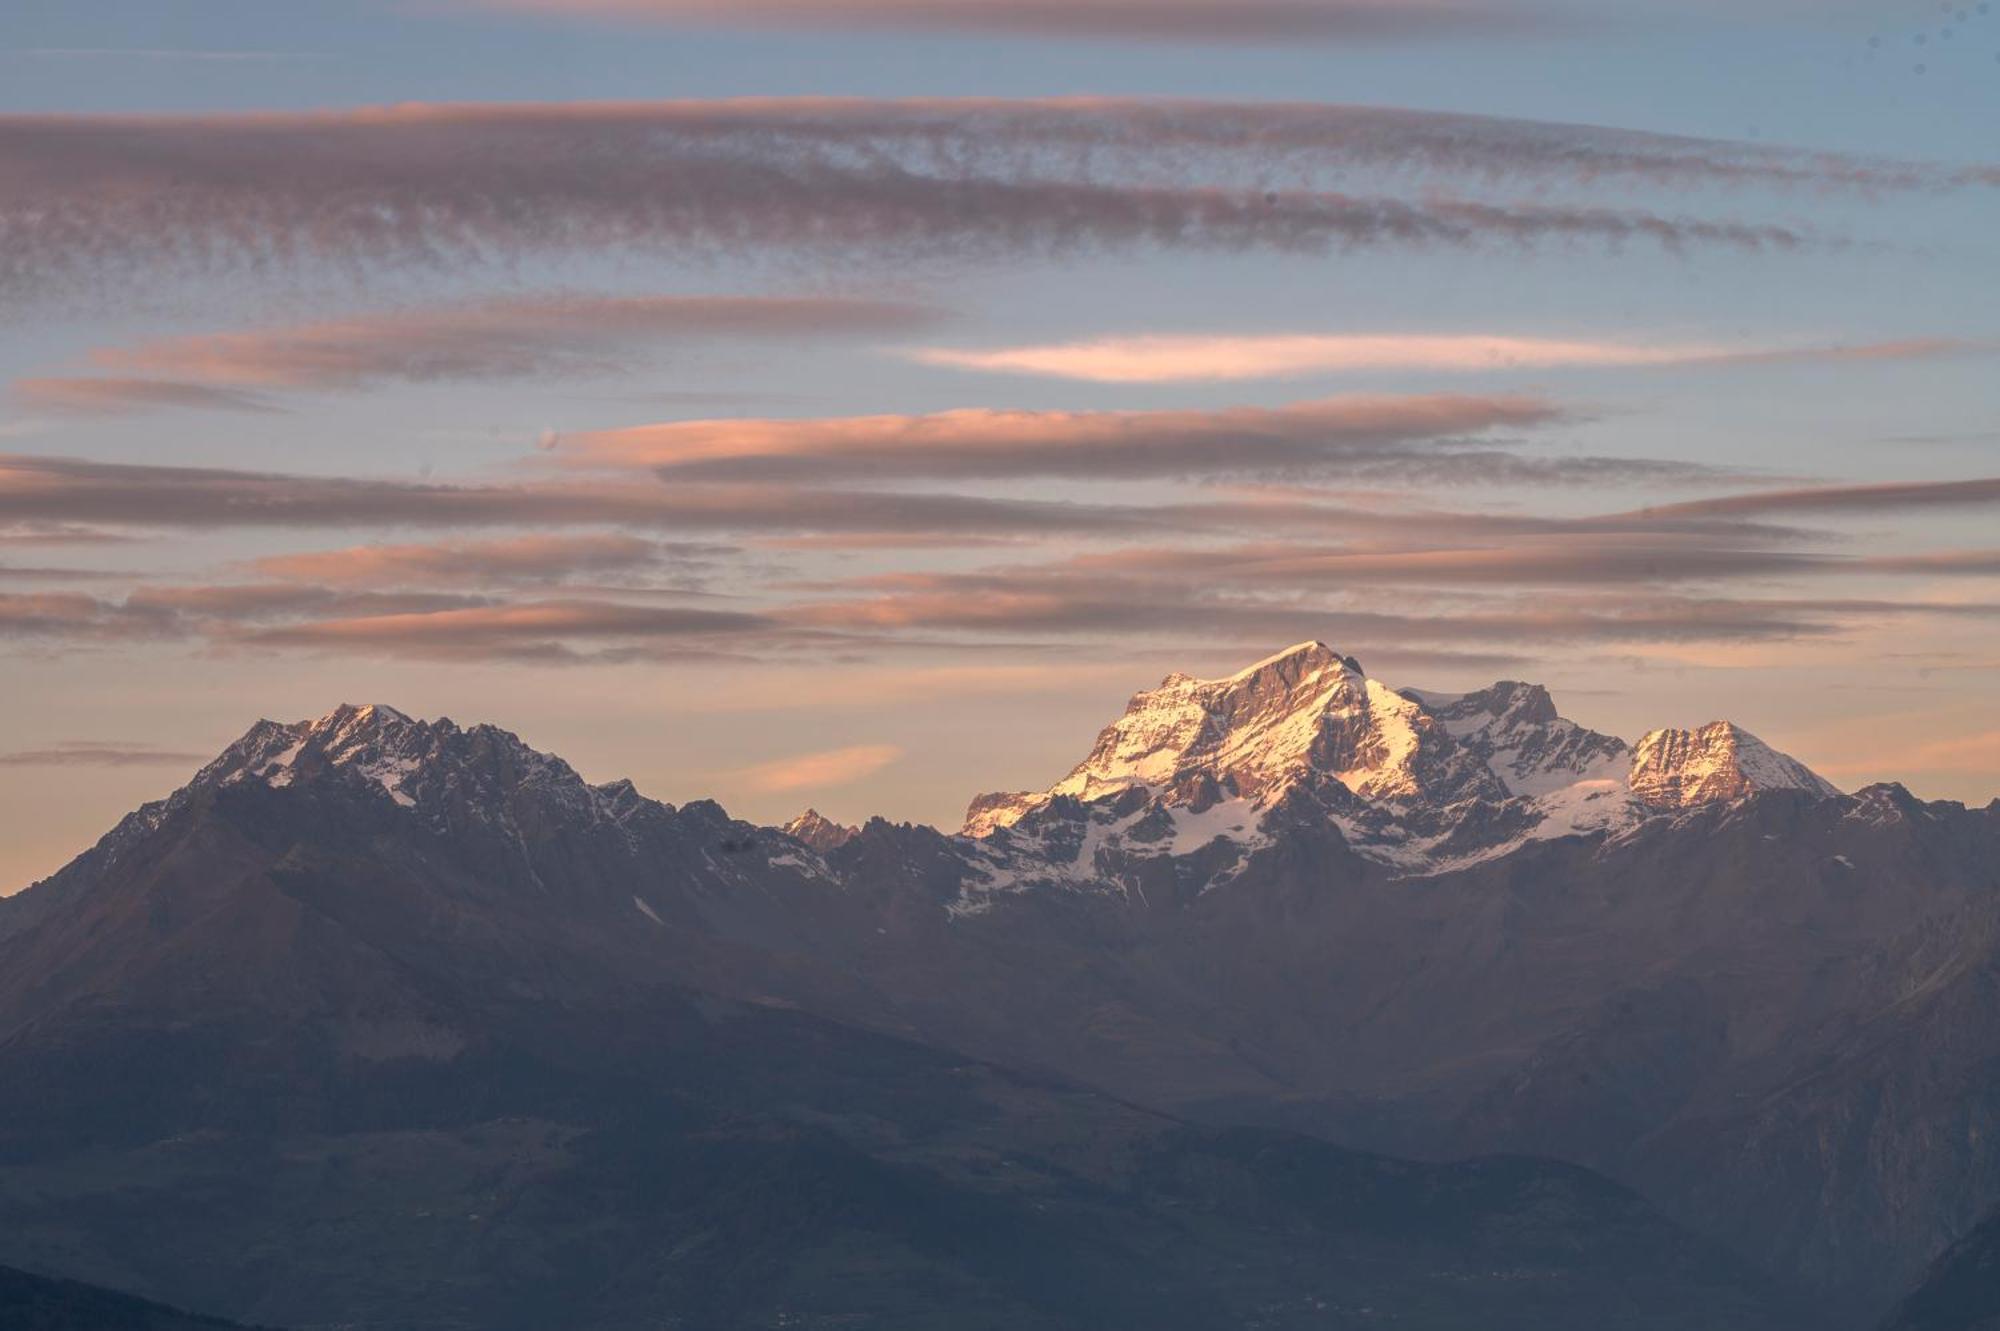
[(1720, 762), (1306, 714), (1411, 777), (1515, 730), (1297, 663), (373, 740), (481, 773), (1508, 702), (823, 834)]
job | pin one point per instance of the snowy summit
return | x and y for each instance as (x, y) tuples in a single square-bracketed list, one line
[(1411, 776)]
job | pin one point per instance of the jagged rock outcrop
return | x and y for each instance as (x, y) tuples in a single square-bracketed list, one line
[(819, 832)]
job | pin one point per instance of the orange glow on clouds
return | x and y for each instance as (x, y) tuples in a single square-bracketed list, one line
[(1196, 359), (816, 771), (983, 442)]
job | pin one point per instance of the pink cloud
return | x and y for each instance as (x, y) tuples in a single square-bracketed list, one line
[(118, 396), (1355, 435), (524, 559), (58, 614), (534, 618), (1976, 754), (1196, 359), (815, 771), (508, 338), (1867, 497)]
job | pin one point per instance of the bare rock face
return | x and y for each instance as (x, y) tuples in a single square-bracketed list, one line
[(1682, 769)]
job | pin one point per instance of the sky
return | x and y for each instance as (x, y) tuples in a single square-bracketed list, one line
[(852, 402)]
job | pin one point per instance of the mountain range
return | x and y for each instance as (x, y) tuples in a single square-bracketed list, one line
[(1302, 1000)]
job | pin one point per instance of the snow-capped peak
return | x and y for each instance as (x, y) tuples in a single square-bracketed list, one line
[(1304, 714), (1515, 730), (374, 740), (1310, 656), (1679, 769), (1417, 779)]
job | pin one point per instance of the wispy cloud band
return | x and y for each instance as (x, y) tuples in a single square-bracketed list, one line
[(88, 196), (1143, 20), (53, 490), (1361, 436), (1215, 359), (105, 395), (516, 560), (100, 753), (816, 771), (491, 339)]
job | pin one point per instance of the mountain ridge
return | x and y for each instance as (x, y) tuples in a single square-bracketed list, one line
[(1754, 974), (1406, 772), (588, 1064), (1395, 769)]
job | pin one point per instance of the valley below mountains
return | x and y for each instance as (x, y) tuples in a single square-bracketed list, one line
[(1301, 1001)]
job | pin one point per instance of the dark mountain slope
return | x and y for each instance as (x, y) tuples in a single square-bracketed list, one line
[(37, 1303), (1961, 1292), (1787, 983)]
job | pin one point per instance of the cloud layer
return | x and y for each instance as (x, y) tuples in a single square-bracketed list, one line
[(1424, 437), (1872, 497), (1143, 20), (524, 630), (109, 396), (1068, 600), (63, 490), (1261, 565), (100, 753), (816, 771), (493, 339), (514, 561), (1215, 359), (129, 198)]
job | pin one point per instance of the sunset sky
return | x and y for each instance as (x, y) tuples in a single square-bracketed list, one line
[(851, 402)]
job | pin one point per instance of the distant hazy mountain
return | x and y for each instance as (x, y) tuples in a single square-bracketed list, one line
[(427, 1023)]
